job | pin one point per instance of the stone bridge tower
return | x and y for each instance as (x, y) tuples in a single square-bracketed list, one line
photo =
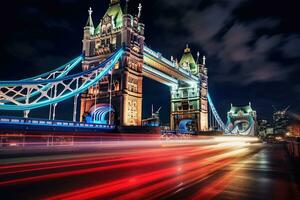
[(189, 105), (122, 89)]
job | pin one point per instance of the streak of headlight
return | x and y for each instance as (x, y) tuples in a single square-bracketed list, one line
[(236, 138), (156, 159), (193, 170)]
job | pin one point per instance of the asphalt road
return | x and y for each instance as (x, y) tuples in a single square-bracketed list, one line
[(205, 168)]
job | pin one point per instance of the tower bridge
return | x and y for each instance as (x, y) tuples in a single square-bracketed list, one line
[(110, 87)]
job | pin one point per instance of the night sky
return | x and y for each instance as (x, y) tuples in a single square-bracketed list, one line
[(252, 46)]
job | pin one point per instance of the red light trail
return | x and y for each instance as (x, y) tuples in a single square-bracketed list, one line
[(162, 169)]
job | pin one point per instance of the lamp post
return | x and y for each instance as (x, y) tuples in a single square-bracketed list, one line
[(110, 91)]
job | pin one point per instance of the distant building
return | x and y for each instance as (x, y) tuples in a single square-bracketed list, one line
[(294, 129), (241, 120), (280, 121), (270, 130), (262, 127), (278, 126)]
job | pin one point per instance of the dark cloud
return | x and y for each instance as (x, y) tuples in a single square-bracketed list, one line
[(249, 44), (223, 36), (61, 24), (291, 47), (38, 53), (205, 24)]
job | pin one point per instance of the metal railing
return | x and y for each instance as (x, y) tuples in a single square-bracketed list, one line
[(53, 123)]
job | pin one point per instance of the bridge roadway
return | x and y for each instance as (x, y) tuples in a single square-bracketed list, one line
[(195, 168)]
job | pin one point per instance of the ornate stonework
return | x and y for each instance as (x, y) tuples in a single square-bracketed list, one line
[(116, 30)]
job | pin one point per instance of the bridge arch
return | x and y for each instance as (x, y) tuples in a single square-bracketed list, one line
[(184, 125), (101, 114)]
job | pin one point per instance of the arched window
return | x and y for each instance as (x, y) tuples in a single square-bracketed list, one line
[(117, 86), (103, 29), (108, 28)]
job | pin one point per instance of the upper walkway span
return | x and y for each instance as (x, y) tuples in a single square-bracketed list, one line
[(169, 71)]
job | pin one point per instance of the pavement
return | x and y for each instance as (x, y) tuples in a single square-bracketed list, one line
[(202, 168)]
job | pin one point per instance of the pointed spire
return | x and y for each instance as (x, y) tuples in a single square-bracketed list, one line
[(90, 23), (140, 10), (204, 60), (126, 7), (152, 111), (187, 49), (198, 56), (114, 2)]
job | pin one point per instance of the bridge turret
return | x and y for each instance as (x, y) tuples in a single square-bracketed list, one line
[(204, 68), (188, 62), (90, 24), (123, 87), (241, 120), (204, 92), (89, 30), (189, 99)]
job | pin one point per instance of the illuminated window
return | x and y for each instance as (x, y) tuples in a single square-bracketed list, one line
[(117, 65), (114, 40), (117, 86)]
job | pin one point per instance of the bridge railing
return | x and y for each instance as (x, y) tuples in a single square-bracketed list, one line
[(31, 94), (53, 123)]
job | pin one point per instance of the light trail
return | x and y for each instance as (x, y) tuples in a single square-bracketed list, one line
[(159, 158), (185, 179), (132, 169), (80, 162), (201, 168)]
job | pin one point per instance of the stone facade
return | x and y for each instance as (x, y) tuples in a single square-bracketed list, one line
[(189, 100), (116, 30)]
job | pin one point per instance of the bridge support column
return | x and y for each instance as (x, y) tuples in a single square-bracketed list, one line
[(26, 113), (75, 108), (110, 98), (50, 111), (54, 111)]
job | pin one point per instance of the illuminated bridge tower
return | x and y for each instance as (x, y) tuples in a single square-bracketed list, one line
[(241, 120), (189, 106), (121, 91)]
